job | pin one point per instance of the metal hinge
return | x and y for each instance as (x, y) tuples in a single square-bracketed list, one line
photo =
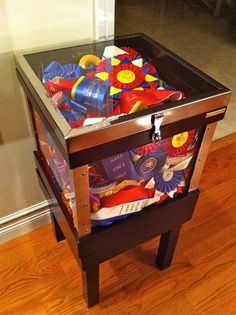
[(156, 124)]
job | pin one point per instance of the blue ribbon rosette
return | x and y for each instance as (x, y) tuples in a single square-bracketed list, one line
[(167, 180), (148, 165), (66, 71)]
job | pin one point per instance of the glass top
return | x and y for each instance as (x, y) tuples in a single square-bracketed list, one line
[(98, 82)]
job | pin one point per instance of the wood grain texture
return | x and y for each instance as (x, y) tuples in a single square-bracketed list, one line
[(39, 276)]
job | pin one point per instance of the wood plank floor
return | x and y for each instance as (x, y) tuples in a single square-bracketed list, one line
[(39, 276)]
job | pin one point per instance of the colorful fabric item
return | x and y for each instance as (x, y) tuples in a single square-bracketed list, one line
[(132, 52), (178, 144), (89, 62), (66, 71), (148, 96), (119, 167), (127, 195), (167, 180), (148, 165), (124, 72), (148, 148)]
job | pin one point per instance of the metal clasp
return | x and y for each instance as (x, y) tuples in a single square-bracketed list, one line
[(156, 120)]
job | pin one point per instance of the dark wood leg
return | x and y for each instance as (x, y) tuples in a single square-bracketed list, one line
[(167, 248), (57, 230), (91, 284)]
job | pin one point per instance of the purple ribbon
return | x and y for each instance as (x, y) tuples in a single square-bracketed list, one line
[(119, 167)]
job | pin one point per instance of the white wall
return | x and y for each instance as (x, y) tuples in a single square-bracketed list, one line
[(28, 24)]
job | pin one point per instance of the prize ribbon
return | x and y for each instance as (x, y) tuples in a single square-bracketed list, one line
[(148, 148), (66, 71), (168, 180), (123, 73), (59, 73), (51, 67), (90, 93), (89, 62), (94, 202), (72, 70), (147, 166), (179, 143), (132, 52)]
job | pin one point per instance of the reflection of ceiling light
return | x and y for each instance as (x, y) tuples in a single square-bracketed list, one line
[(103, 16), (144, 121)]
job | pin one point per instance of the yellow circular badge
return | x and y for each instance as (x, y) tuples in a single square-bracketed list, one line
[(180, 139), (125, 76)]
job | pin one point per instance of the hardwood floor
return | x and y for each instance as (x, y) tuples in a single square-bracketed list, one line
[(39, 276)]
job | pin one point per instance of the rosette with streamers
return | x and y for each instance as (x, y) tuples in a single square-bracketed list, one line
[(168, 180), (178, 144), (72, 111), (52, 66), (89, 62), (66, 71), (148, 165), (59, 73), (132, 52), (124, 72), (148, 148), (72, 70)]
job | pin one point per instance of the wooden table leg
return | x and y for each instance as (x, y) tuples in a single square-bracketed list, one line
[(91, 284), (57, 230), (167, 248)]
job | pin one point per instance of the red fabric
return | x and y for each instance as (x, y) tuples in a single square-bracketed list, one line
[(183, 149), (91, 75), (139, 76), (77, 123), (60, 85), (127, 195), (149, 97)]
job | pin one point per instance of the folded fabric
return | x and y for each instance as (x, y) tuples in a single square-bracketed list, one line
[(127, 195)]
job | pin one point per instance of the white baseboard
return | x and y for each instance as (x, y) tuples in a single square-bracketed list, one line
[(24, 221)]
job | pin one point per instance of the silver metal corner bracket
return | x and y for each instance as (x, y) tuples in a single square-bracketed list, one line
[(202, 155)]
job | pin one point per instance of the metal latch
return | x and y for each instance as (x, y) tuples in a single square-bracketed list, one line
[(156, 124)]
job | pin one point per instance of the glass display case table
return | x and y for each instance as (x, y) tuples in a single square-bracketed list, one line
[(120, 162)]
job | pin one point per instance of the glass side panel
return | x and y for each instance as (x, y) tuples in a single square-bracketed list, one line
[(125, 183), (92, 83), (55, 161)]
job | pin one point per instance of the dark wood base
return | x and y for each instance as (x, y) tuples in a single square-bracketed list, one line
[(106, 242)]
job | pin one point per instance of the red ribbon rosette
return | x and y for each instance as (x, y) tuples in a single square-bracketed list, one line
[(148, 148), (132, 52), (178, 144), (125, 72), (126, 76)]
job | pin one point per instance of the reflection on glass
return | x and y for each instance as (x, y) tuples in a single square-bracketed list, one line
[(127, 182), (56, 162), (118, 81)]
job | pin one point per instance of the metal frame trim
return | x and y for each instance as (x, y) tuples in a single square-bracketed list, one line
[(202, 155)]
